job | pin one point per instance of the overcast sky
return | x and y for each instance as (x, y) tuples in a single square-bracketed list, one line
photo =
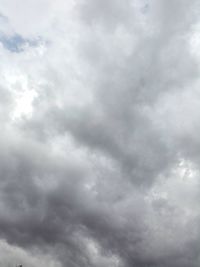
[(100, 133)]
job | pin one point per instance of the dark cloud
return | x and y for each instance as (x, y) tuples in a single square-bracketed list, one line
[(104, 170)]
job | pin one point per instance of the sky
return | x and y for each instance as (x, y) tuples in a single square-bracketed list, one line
[(100, 133)]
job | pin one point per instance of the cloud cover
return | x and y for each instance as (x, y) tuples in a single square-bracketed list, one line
[(99, 115)]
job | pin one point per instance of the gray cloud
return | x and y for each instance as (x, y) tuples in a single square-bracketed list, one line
[(103, 169)]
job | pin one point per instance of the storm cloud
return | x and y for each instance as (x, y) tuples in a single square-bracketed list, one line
[(100, 126)]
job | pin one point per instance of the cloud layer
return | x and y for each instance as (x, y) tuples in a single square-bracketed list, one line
[(99, 147)]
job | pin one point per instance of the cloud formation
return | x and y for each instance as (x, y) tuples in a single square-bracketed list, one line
[(99, 133)]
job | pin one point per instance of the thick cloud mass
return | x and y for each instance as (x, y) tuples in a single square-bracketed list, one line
[(100, 126)]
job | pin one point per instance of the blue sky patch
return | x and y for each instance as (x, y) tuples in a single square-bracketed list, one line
[(16, 43)]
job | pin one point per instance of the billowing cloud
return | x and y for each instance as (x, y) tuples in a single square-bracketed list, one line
[(99, 113)]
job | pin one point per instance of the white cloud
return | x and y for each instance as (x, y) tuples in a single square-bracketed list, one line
[(11, 255)]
